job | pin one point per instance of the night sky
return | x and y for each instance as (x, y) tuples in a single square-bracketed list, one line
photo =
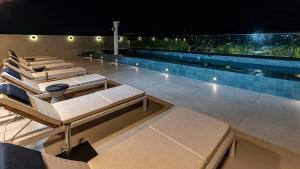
[(147, 17)]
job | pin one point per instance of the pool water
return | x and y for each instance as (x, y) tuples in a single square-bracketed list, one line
[(275, 80)]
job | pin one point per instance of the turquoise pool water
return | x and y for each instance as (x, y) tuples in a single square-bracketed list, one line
[(259, 79)]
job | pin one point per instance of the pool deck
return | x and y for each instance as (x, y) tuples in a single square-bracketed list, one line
[(271, 118)]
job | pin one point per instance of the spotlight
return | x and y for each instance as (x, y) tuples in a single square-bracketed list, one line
[(33, 37), (98, 38), (116, 60), (166, 39), (176, 39), (140, 38), (70, 38), (184, 39), (153, 39), (121, 38)]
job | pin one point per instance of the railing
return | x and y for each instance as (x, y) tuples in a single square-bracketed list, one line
[(259, 44)]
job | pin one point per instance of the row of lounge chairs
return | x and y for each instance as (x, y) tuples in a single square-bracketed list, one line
[(180, 139)]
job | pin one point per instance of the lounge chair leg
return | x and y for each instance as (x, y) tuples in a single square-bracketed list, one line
[(105, 85), (68, 139), (145, 104), (232, 151)]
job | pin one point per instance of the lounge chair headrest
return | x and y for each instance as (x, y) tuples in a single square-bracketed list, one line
[(17, 157), (11, 72), (15, 58), (15, 93), (10, 52), (12, 63)]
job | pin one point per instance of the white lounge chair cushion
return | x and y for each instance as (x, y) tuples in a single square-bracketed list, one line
[(146, 150), (59, 65), (83, 106), (52, 162), (59, 73), (120, 94), (44, 107), (198, 132), (80, 107), (75, 81), (35, 63)]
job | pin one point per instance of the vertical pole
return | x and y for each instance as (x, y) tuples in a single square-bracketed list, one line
[(116, 37), (68, 139)]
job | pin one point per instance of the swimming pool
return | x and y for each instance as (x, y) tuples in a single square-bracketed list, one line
[(277, 80)]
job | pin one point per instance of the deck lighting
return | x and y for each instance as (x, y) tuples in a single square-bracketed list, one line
[(140, 38), (153, 39), (98, 38), (121, 38), (70, 38), (116, 60), (101, 57), (33, 37)]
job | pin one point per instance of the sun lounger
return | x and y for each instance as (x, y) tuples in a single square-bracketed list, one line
[(35, 62), (48, 75), (34, 58), (182, 139), (75, 83), (52, 66), (75, 111)]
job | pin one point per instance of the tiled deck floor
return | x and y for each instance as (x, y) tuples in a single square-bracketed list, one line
[(271, 118)]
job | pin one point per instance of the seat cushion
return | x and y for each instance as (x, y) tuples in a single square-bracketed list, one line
[(16, 157), (91, 78), (80, 107), (198, 132), (59, 73), (120, 94), (146, 150)]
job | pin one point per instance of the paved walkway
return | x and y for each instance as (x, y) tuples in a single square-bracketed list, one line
[(271, 118)]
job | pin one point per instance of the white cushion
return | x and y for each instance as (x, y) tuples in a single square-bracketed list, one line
[(45, 62), (69, 81), (52, 162), (91, 78), (73, 109), (198, 132), (146, 150), (119, 94)]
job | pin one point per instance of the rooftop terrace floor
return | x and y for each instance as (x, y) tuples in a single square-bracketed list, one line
[(271, 118)]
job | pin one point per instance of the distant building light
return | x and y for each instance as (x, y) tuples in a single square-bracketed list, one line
[(33, 37), (153, 39), (121, 38), (176, 39), (184, 39), (140, 38), (98, 38), (166, 39), (70, 38)]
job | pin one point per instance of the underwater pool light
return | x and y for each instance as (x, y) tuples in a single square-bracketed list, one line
[(136, 64), (215, 78), (227, 67), (33, 37), (166, 69)]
